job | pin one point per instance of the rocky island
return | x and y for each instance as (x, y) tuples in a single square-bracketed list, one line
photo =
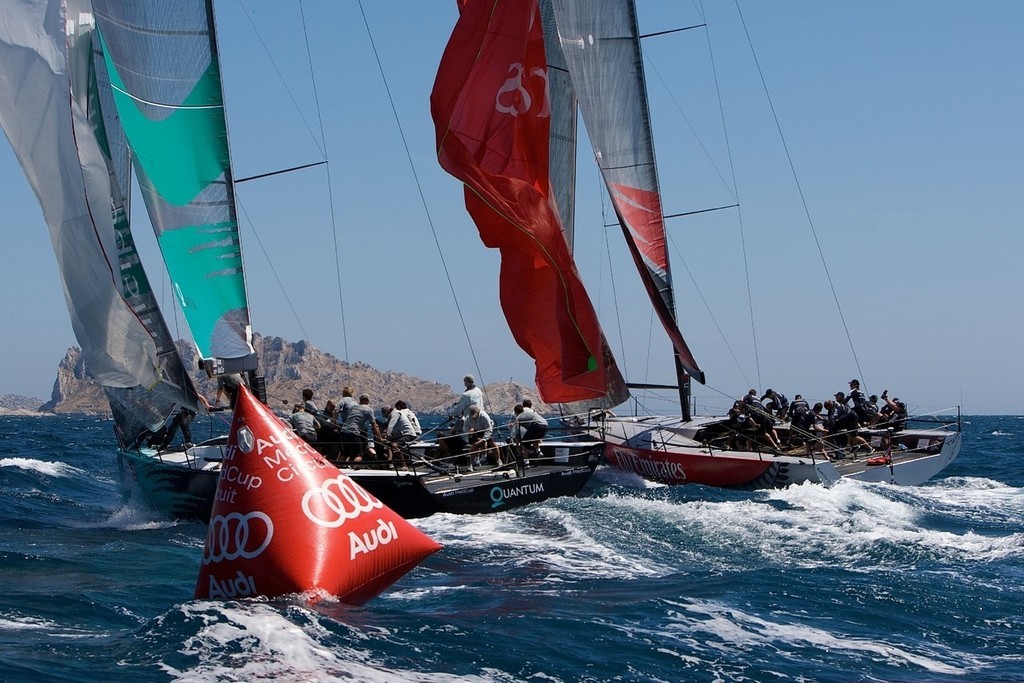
[(288, 368)]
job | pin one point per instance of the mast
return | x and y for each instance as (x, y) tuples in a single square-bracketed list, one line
[(164, 69), (601, 43), (684, 387)]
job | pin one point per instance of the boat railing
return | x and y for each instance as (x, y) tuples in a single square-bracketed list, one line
[(937, 420)]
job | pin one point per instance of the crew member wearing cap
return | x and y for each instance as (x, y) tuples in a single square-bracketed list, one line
[(479, 427), (860, 402)]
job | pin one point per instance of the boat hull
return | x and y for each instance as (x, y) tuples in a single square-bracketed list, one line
[(748, 470), (672, 451), (413, 496), (183, 484), (177, 484), (932, 452)]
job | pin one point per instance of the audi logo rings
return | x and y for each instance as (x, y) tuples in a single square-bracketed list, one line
[(337, 500), (238, 535)]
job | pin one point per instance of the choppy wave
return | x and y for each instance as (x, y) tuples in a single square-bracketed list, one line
[(718, 631), (630, 582), (268, 642), (49, 468)]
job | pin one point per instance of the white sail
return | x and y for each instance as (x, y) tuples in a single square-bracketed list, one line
[(50, 112), (62, 160)]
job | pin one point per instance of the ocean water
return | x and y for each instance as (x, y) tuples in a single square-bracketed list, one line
[(630, 582)]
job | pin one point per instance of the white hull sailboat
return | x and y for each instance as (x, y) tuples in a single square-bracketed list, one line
[(670, 450), (607, 64), (516, 155)]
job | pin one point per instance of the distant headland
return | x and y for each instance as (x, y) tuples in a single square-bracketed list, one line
[(288, 368)]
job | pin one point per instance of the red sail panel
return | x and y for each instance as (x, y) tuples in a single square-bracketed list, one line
[(640, 213), (601, 44), (492, 121)]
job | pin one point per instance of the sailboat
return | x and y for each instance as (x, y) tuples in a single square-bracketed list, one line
[(79, 122), (510, 136), (76, 160), (92, 89)]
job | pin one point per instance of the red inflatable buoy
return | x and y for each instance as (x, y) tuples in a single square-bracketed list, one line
[(286, 521)]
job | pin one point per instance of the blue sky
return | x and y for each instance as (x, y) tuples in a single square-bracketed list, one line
[(903, 122)]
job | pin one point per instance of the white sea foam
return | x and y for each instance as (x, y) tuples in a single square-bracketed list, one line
[(15, 622), (617, 477), (267, 646), (975, 499), (545, 536), (1001, 433), (719, 630), (52, 629), (852, 518), (135, 517), (50, 469), (843, 526)]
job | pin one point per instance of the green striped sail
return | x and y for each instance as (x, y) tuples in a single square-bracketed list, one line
[(161, 58)]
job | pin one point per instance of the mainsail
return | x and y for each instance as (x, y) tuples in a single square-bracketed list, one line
[(492, 119), (50, 110), (601, 43), (161, 58), (562, 130)]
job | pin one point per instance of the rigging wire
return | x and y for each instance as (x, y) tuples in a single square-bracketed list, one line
[(800, 191), (606, 248), (707, 307), (284, 82), (733, 192), (321, 147), (270, 262), (423, 199), (700, 142), (330, 185), (739, 209)]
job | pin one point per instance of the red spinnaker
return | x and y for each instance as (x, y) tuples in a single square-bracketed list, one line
[(490, 110)]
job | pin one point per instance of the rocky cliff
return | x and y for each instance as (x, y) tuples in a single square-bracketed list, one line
[(15, 404), (73, 390), (289, 368)]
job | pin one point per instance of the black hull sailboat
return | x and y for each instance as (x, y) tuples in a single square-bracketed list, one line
[(92, 92), (183, 483)]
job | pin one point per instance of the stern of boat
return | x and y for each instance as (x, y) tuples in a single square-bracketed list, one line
[(919, 456), (180, 484)]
